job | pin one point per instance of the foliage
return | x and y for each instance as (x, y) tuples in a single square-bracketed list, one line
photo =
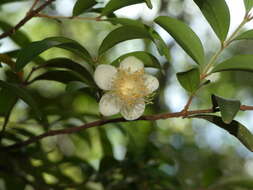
[(48, 90)]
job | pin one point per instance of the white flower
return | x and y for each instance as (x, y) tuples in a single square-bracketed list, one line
[(127, 88)]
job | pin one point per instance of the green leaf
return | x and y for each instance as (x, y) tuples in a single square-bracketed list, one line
[(161, 45), (114, 5), (82, 5), (248, 35), (20, 38), (228, 108), (60, 76), (248, 5), (9, 1), (217, 14), (236, 63), (234, 128), (149, 4), (121, 34), (126, 21), (156, 38), (65, 63), (148, 59), (31, 51), (23, 94), (7, 102), (184, 36), (189, 80), (75, 86)]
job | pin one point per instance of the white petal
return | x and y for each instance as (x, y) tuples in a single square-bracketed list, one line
[(133, 112), (131, 64), (151, 82), (109, 105), (104, 75)]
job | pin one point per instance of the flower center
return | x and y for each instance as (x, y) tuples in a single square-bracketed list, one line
[(130, 87)]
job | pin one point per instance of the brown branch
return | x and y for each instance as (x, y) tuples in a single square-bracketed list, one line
[(30, 14), (103, 122), (68, 17)]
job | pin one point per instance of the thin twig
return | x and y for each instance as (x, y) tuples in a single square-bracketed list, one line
[(33, 6), (68, 17), (28, 16), (103, 122)]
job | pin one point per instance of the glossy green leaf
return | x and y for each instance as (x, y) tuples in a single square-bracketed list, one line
[(23, 94), (189, 80), (228, 108), (60, 76), (82, 5), (217, 14), (121, 34), (234, 128), (114, 5), (236, 63), (148, 59), (31, 51), (19, 37), (248, 5), (64, 63), (248, 35), (156, 38), (184, 36)]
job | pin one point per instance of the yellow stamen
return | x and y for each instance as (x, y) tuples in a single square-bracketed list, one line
[(130, 87)]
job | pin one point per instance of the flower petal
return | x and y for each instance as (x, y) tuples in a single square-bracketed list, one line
[(104, 75), (109, 104), (151, 82), (131, 64), (133, 112)]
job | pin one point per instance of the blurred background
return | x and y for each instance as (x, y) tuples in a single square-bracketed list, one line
[(173, 154)]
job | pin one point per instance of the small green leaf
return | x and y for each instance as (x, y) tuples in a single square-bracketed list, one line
[(60, 76), (217, 14), (190, 80), (248, 35), (228, 108), (114, 5), (31, 51), (23, 94), (121, 34), (20, 38), (82, 5), (161, 45), (149, 4), (148, 59), (64, 63), (248, 5), (234, 128), (184, 36), (236, 63)]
